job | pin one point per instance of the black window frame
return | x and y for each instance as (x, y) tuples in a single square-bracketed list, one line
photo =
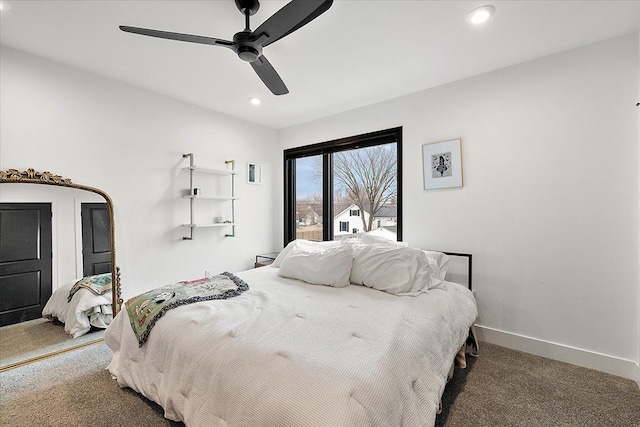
[(326, 149), (344, 226)]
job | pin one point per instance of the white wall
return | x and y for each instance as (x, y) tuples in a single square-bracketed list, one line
[(550, 201), (129, 142)]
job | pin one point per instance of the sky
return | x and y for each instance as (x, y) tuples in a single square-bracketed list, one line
[(306, 183)]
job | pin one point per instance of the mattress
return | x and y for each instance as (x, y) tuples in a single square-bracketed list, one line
[(288, 353)]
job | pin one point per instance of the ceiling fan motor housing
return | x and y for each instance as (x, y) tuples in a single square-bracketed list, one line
[(246, 49), (248, 53)]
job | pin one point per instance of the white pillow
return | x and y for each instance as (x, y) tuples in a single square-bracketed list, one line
[(381, 235), (355, 244), (440, 261), (329, 266), (396, 270), (308, 243)]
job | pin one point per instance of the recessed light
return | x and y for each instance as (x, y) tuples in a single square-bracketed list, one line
[(480, 14), (255, 101)]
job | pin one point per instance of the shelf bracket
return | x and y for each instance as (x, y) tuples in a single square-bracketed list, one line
[(190, 156), (233, 198)]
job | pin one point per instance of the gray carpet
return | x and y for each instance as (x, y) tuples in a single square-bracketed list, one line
[(500, 388), (504, 387), (37, 337), (73, 389)]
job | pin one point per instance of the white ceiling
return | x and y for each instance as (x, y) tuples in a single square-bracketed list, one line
[(357, 53)]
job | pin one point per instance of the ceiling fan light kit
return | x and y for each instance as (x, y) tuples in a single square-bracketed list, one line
[(248, 44)]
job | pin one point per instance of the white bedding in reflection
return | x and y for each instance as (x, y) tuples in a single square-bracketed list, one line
[(83, 311), (288, 353)]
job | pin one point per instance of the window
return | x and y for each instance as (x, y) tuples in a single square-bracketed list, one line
[(327, 183), (308, 200)]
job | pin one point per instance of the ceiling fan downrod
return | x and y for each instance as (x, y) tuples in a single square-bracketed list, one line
[(247, 50), (248, 7)]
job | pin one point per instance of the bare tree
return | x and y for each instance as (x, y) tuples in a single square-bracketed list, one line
[(368, 176)]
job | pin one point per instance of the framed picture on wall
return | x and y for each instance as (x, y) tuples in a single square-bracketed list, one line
[(254, 173), (442, 164)]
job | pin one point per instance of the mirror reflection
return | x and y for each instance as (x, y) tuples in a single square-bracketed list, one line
[(55, 270)]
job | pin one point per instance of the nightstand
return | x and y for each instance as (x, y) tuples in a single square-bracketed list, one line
[(265, 259)]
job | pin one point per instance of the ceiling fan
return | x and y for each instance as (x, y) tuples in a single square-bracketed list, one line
[(248, 44)]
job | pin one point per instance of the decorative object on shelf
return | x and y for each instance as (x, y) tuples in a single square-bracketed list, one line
[(254, 173), (442, 164), (192, 193)]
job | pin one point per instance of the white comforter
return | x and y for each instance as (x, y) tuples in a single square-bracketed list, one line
[(286, 353), (83, 311)]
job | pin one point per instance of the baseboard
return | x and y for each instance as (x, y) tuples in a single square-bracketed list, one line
[(576, 356)]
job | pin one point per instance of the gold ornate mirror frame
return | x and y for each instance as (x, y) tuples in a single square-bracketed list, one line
[(30, 176)]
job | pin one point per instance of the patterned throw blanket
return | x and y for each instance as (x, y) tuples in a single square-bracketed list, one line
[(99, 285), (146, 309)]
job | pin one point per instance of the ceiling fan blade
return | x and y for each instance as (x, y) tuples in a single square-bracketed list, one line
[(292, 16), (269, 76), (177, 36)]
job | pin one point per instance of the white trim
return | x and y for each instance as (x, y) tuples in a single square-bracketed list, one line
[(564, 353), (77, 219), (55, 259)]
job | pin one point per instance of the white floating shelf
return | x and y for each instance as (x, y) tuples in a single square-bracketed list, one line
[(210, 197), (215, 224), (222, 196), (210, 170)]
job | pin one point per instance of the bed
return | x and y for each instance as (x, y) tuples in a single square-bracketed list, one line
[(287, 352), (82, 304)]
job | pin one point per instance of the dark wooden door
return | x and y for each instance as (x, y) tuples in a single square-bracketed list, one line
[(25, 261), (96, 239)]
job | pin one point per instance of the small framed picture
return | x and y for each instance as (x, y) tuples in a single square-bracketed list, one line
[(442, 164), (254, 173)]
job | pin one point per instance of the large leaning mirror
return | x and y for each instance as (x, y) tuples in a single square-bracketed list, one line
[(59, 283)]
